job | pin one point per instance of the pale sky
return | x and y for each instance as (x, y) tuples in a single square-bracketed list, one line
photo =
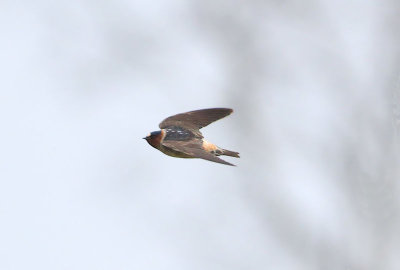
[(314, 87)]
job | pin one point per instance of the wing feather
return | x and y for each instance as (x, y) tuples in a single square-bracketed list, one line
[(196, 120), (193, 149)]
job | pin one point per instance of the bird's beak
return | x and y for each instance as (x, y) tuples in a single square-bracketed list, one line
[(144, 138)]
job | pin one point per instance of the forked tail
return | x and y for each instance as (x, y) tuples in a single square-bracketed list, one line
[(230, 153)]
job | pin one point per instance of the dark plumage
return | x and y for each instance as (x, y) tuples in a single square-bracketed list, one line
[(180, 136)]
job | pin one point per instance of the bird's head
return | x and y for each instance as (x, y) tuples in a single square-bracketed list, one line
[(154, 138)]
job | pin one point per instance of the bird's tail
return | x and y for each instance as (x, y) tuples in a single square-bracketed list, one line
[(230, 153)]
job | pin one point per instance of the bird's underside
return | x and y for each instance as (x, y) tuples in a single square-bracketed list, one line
[(191, 149)]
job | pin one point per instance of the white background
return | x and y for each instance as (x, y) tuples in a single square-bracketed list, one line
[(314, 86)]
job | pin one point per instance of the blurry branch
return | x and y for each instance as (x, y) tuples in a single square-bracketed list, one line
[(368, 159), (396, 113), (247, 73)]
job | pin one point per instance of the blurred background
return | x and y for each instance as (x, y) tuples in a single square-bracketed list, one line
[(316, 93)]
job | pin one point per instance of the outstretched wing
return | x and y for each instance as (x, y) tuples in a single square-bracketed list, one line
[(196, 120), (193, 149)]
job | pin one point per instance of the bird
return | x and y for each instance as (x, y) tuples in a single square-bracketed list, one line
[(180, 136)]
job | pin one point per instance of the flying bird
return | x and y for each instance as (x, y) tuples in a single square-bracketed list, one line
[(180, 136)]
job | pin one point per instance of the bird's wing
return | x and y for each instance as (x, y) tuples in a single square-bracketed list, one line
[(193, 149), (196, 120)]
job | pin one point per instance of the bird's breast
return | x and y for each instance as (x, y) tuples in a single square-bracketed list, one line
[(173, 153)]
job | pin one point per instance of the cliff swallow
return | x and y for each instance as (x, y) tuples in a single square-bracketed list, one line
[(180, 136)]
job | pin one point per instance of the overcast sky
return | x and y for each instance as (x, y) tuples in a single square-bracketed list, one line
[(315, 90)]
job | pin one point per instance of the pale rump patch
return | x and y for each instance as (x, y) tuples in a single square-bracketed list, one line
[(209, 147)]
